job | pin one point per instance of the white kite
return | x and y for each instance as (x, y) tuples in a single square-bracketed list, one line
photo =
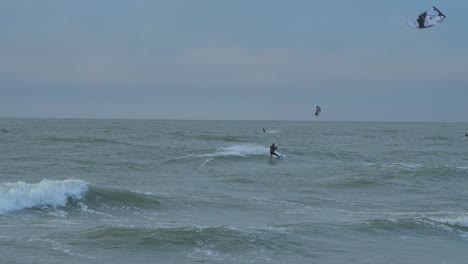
[(428, 19)]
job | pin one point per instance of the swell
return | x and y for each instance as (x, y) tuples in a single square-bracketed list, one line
[(87, 140), (102, 198), (219, 138), (409, 170), (436, 138), (423, 226), (208, 137), (220, 240), (435, 226), (340, 155)]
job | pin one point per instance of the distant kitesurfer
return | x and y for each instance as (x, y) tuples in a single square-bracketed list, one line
[(264, 130), (466, 134), (272, 150)]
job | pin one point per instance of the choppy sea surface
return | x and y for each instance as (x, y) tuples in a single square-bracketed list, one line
[(153, 191)]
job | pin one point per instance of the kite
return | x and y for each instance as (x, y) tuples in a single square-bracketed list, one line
[(428, 19), (317, 110)]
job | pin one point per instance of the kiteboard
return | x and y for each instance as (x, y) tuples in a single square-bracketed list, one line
[(281, 156)]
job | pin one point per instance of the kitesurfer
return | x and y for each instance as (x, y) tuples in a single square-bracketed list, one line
[(466, 134), (264, 130), (272, 150)]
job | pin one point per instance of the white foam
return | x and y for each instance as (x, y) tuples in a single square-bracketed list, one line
[(450, 224), (20, 195), (242, 150), (203, 252), (401, 165), (456, 221), (206, 161)]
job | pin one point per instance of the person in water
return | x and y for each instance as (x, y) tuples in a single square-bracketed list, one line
[(264, 130), (272, 150)]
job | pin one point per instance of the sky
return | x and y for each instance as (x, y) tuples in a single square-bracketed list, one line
[(233, 60)]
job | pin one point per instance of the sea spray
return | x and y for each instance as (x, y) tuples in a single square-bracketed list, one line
[(242, 150)]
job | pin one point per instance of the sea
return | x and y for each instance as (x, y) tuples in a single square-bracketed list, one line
[(173, 191)]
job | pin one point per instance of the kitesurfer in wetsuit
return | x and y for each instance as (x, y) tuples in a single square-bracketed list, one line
[(272, 150), (264, 130)]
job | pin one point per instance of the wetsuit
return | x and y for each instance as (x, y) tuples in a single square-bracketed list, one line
[(272, 151)]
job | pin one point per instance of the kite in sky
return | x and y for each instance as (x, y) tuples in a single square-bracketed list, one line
[(428, 19), (317, 110)]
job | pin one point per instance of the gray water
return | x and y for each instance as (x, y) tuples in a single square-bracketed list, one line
[(144, 191)]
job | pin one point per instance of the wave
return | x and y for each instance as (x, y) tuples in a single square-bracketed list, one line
[(397, 165), (159, 236), (435, 138), (420, 170), (47, 193), (357, 182), (399, 225), (390, 131), (340, 155), (460, 222), (60, 197), (207, 137), (457, 226), (439, 172), (212, 241), (89, 140), (111, 199), (219, 138)]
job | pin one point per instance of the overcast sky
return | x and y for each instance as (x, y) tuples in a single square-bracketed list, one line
[(233, 59)]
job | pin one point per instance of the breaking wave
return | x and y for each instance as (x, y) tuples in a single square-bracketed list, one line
[(18, 196), (457, 225), (72, 194)]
